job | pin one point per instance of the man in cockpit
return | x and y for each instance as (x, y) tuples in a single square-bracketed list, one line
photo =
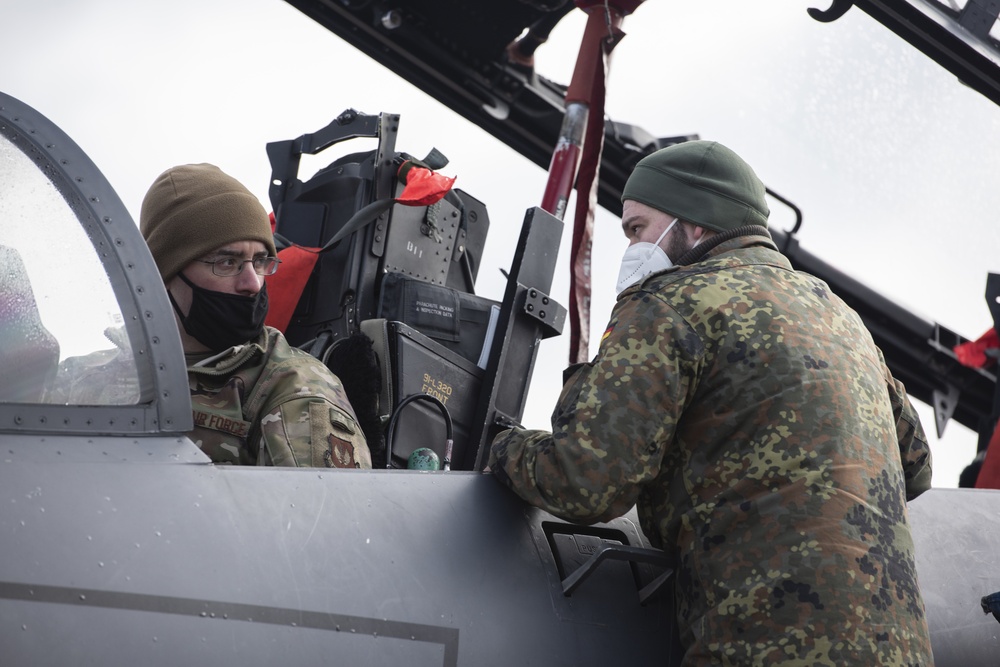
[(746, 409), (256, 399)]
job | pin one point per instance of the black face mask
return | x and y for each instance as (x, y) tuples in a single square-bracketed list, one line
[(219, 320)]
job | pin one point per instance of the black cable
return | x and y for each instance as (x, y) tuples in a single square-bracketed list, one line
[(392, 425)]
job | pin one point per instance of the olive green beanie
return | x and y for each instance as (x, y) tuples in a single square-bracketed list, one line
[(701, 182), (193, 209)]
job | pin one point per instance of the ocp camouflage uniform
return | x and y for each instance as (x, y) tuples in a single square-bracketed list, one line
[(747, 410), (264, 403), (267, 403), (256, 399)]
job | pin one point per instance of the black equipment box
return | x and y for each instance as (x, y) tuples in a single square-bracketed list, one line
[(424, 366), (461, 322)]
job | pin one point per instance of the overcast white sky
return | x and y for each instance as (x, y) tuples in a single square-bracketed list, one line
[(893, 163)]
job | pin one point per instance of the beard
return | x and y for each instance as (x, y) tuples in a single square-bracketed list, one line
[(677, 243)]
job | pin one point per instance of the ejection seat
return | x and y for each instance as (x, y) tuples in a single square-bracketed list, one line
[(392, 290)]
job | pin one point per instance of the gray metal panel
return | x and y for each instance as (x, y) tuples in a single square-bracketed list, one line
[(197, 564), (59, 449), (957, 538)]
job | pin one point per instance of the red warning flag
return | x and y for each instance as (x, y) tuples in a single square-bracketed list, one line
[(423, 186), (974, 353)]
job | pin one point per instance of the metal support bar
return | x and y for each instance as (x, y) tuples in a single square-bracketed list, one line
[(654, 587), (285, 156), (621, 553), (957, 43), (979, 16), (512, 357)]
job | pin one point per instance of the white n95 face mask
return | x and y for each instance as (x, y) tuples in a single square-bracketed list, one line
[(642, 259)]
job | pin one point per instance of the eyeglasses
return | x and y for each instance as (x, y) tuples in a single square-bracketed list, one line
[(233, 266)]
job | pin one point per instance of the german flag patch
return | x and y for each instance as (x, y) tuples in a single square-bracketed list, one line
[(607, 332)]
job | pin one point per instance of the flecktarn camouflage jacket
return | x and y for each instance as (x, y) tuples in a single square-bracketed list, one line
[(746, 410)]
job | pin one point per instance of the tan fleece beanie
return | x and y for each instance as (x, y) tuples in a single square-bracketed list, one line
[(193, 209)]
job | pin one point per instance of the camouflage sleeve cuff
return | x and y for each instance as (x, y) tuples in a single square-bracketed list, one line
[(314, 433), (914, 450), (498, 457)]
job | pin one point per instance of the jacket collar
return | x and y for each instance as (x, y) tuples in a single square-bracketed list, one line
[(232, 358), (741, 237)]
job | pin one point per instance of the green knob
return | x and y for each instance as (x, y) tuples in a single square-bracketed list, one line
[(424, 458)]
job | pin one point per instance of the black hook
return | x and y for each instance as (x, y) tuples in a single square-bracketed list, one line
[(991, 604), (836, 10), (789, 204)]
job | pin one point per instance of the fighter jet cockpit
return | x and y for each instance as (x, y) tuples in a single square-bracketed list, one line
[(114, 518), (86, 348)]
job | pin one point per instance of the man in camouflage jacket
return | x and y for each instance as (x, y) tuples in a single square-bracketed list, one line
[(747, 411), (256, 399)]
